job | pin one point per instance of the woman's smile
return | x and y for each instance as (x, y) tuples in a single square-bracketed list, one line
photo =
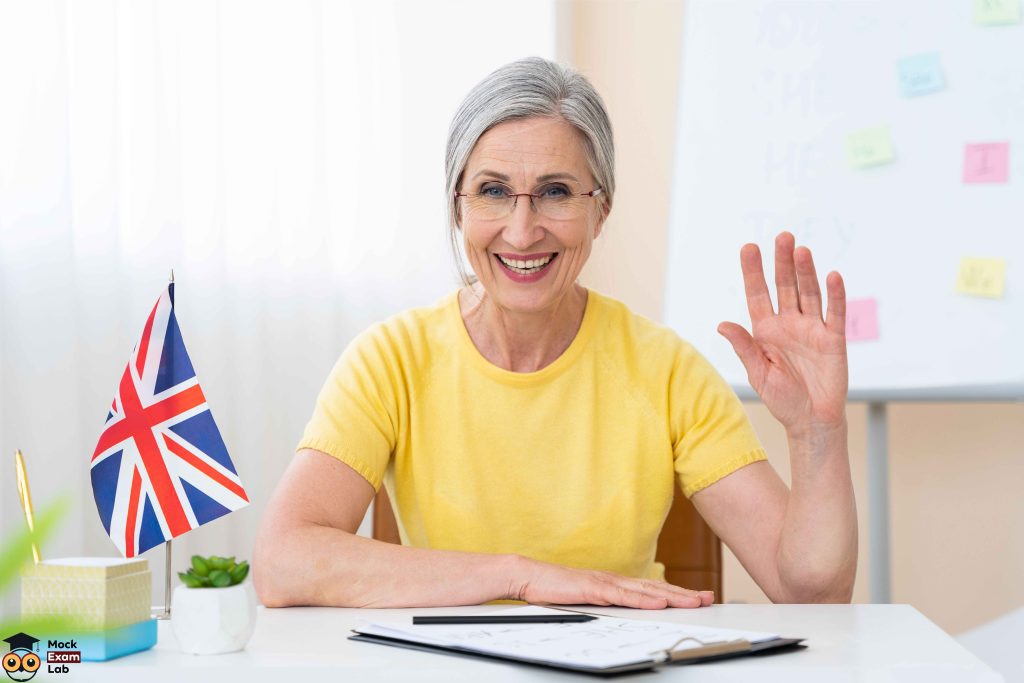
[(527, 267)]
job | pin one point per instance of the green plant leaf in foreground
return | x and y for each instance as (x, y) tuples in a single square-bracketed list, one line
[(16, 551), (45, 628)]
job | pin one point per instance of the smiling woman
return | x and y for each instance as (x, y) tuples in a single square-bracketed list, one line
[(530, 431)]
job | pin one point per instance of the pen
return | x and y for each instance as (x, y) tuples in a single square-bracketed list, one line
[(508, 619), (26, 499)]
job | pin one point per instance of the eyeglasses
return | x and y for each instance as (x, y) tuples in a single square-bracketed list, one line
[(495, 201)]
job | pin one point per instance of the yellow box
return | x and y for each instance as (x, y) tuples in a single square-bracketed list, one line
[(93, 592)]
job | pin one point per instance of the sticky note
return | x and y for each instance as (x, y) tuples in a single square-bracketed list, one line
[(987, 162), (869, 147), (921, 74), (861, 319), (996, 12), (981, 277)]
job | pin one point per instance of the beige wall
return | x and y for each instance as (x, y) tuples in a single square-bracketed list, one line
[(957, 470)]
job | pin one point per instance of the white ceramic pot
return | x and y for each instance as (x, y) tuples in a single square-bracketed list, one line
[(211, 621)]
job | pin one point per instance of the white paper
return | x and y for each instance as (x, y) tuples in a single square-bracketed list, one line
[(603, 643)]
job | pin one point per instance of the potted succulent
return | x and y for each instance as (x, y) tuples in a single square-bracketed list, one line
[(214, 610)]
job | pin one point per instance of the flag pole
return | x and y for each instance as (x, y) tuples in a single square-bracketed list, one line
[(166, 614)]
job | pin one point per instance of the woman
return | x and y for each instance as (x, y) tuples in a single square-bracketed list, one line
[(529, 431)]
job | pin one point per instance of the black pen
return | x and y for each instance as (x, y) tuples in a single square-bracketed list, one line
[(507, 619)]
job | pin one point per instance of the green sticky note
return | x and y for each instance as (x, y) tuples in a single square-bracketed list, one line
[(869, 147), (981, 277), (996, 12)]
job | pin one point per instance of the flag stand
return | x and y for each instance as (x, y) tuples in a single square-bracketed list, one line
[(165, 611)]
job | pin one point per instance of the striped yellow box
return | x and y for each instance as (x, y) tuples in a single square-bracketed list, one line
[(93, 592)]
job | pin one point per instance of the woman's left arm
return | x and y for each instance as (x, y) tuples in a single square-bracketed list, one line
[(800, 545)]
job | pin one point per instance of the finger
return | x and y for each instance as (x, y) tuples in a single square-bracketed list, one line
[(785, 273), (807, 280), (705, 597), (626, 597), (686, 602), (747, 349), (651, 585), (663, 599), (759, 300), (643, 594), (677, 595), (836, 316)]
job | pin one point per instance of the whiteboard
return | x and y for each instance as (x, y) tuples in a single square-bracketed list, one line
[(769, 93)]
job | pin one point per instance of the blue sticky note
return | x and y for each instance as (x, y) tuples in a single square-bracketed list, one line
[(921, 74)]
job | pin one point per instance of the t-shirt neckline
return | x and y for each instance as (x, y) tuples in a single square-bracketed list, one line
[(576, 347)]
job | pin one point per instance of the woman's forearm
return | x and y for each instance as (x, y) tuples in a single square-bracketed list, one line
[(817, 556), (320, 565)]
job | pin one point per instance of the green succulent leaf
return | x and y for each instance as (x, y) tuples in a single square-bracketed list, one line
[(220, 563), (199, 566), (214, 572), (220, 578), (239, 573), (190, 580)]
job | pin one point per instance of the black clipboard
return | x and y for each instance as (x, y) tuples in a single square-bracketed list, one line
[(705, 653)]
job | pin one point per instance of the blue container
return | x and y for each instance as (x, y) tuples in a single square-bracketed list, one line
[(111, 643)]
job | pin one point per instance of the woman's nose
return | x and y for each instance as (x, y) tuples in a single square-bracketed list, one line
[(523, 227)]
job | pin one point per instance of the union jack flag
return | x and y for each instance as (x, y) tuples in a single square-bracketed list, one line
[(160, 468)]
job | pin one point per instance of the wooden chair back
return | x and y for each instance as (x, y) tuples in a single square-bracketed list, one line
[(690, 551)]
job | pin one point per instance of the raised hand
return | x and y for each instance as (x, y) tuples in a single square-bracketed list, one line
[(795, 359)]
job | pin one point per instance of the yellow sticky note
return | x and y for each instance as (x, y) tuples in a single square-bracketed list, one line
[(869, 147), (981, 277), (996, 12)]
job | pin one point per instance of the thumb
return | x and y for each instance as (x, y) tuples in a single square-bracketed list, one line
[(746, 348)]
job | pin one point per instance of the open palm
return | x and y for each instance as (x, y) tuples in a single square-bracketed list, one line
[(795, 359)]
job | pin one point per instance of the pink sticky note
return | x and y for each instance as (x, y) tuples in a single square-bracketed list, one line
[(987, 162), (861, 319)]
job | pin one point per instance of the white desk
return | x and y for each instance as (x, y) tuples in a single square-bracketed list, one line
[(845, 643)]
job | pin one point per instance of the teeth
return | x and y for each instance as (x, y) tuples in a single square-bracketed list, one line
[(526, 265)]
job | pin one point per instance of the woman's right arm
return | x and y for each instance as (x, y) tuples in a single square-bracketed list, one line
[(307, 553)]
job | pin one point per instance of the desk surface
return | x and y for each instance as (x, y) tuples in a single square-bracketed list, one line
[(845, 643)]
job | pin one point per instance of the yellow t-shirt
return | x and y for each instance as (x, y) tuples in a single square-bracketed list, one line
[(572, 464)]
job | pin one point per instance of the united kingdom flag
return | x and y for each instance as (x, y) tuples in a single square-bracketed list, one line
[(161, 468)]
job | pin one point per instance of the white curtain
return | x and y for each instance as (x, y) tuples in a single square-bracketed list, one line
[(284, 158)]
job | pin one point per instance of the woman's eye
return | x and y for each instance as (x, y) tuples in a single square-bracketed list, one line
[(492, 191), (555, 191)]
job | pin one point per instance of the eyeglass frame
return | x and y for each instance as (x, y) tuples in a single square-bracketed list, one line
[(516, 196)]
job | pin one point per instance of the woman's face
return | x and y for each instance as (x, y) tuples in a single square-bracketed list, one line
[(532, 155)]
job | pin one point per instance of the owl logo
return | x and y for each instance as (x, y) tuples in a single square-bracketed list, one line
[(22, 663)]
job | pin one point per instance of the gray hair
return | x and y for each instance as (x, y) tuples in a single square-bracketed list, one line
[(522, 89)]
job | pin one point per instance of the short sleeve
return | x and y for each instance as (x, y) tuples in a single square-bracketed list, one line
[(356, 414), (711, 433)]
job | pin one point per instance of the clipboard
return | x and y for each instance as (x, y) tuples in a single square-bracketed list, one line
[(687, 650)]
